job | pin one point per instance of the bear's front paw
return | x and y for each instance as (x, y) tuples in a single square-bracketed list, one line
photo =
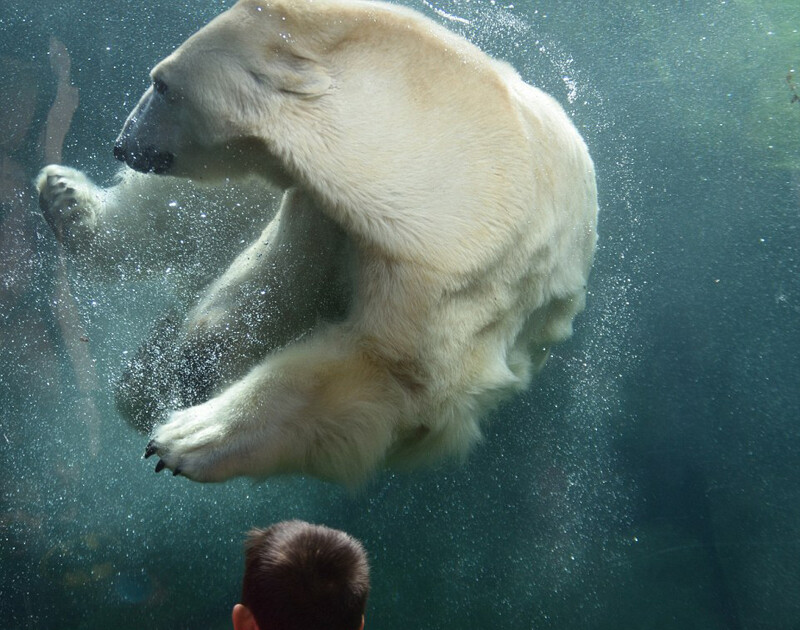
[(196, 443), (68, 200)]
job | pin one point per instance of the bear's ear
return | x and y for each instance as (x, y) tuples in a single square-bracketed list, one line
[(298, 75)]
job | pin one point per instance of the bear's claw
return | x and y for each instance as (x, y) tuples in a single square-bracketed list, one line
[(153, 449), (150, 449)]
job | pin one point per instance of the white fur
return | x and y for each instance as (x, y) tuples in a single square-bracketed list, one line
[(456, 202), (146, 225)]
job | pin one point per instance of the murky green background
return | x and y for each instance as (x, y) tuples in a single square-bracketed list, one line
[(649, 479)]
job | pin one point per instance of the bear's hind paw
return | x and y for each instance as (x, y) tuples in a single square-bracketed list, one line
[(194, 443)]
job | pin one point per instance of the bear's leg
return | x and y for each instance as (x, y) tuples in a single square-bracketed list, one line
[(150, 224), (293, 276), (146, 390), (128, 228), (323, 407)]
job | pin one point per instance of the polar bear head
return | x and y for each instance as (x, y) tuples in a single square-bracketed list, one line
[(367, 81), (390, 121), (211, 104)]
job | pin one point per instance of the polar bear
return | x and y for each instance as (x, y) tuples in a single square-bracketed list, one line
[(434, 239)]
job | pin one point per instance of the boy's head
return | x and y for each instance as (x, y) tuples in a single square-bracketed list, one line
[(300, 576)]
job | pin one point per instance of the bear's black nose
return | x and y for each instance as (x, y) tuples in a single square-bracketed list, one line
[(145, 160), (120, 153)]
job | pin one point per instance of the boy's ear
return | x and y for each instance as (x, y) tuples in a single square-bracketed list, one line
[(243, 619)]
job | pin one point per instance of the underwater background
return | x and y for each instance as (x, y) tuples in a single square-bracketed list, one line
[(649, 477)]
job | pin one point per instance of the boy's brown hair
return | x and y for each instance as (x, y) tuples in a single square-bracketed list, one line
[(300, 576)]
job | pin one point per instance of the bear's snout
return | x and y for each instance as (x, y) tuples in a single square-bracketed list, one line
[(144, 159), (147, 127)]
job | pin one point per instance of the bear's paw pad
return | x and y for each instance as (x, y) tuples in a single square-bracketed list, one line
[(66, 198)]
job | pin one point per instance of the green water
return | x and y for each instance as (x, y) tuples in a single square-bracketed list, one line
[(647, 480)]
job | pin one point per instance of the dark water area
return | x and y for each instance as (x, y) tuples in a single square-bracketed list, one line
[(648, 478)]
